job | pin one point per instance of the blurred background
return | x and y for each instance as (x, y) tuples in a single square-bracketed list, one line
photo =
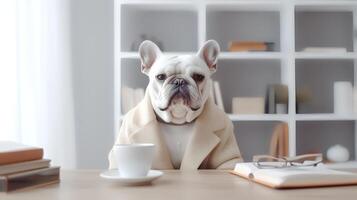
[(286, 74), (56, 79)]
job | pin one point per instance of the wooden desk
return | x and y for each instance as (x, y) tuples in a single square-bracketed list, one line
[(201, 185)]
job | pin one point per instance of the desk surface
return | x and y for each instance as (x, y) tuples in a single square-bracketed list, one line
[(203, 185)]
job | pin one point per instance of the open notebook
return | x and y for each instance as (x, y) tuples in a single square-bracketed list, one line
[(295, 177)]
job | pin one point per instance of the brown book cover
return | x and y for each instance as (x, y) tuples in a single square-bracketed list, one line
[(250, 46), (29, 179), (12, 152)]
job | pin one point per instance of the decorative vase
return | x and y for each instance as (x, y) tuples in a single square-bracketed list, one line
[(338, 153), (343, 97)]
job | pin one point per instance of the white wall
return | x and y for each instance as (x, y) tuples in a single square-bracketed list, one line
[(92, 32)]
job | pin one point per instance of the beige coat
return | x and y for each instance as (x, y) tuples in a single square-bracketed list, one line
[(212, 145)]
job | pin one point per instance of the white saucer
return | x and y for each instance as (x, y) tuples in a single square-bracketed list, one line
[(114, 176)]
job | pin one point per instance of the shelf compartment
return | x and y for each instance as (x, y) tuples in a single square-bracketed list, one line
[(254, 137), (226, 25), (323, 29), (167, 25), (317, 76), (318, 136), (251, 78)]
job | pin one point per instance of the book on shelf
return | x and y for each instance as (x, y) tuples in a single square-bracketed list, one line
[(218, 95), (29, 179), (279, 142), (295, 177), (276, 94), (242, 46), (12, 152), (131, 97)]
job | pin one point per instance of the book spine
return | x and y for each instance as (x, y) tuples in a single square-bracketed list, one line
[(30, 179), (271, 99), (24, 166), (218, 93)]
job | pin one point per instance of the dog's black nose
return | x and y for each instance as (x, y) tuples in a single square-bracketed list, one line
[(179, 82)]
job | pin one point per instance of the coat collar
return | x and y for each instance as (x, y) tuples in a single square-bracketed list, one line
[(203, 140)]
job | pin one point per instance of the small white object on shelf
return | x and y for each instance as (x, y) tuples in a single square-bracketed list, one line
[(343, 97), (338, 153)]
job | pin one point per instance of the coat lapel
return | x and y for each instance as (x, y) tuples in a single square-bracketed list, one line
[(203, 139)]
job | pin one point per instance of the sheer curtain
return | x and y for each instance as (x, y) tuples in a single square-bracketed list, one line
[(38, 90)]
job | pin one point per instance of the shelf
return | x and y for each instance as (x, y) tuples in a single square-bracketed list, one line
[(160, 4), (160, 23), (246, 78), (318, 5), (250, 55), (323, 29), (325, 55), (325, 117), (242, 25), (315, 79), (181, 26), (244, 5), (254, 137), (222, 55), (319, 136), (259, 117)]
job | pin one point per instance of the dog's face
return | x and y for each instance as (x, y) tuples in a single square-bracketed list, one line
[(179, 86)]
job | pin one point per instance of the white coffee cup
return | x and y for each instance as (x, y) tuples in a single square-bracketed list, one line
[(134, 160)]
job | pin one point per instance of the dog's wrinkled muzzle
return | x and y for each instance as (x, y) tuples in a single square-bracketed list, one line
[(180, 88)]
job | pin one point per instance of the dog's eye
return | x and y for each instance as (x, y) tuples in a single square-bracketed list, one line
[(161, 77), (198, 77)]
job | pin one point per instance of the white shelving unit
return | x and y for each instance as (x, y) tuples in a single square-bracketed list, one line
[(182, 26)]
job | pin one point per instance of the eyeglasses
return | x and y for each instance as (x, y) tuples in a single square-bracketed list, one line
[(270, 162)]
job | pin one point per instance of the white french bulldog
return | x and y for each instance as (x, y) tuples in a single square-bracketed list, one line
[(179, 85), (177, 114)]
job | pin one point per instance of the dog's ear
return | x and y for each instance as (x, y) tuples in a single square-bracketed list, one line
[(209, 53), (149, 52)]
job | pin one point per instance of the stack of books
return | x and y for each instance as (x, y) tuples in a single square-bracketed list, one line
[(23, 166), (250, 46)]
